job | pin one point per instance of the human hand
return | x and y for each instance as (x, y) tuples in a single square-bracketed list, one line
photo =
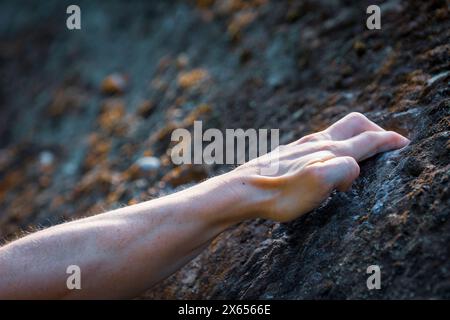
[(309, 169)]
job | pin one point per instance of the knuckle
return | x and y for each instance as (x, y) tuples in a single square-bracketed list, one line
[(371, 136), (357, 117), (309, 138), (391, 134), (313, 172), (315, 137), (372, 139), (352, 165), (350, 161)]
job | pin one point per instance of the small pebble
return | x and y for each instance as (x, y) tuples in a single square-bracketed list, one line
[(46, 158), (148, 163), (359, 47), (114, 83)]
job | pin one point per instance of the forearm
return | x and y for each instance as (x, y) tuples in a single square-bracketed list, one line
[(123, 252)]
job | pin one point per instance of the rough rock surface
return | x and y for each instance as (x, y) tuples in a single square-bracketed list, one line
[(293, 65)]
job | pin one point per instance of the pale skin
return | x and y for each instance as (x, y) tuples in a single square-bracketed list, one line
[(124, 252)]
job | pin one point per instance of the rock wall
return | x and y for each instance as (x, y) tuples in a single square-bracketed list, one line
[(79, 109)]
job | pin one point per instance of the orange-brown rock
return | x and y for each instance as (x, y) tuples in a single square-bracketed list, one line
[(146, 108), (115, 83), (192, 78), (185, 174)]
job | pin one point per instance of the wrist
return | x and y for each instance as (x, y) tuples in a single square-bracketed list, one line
[(223, 201), (248, 197)]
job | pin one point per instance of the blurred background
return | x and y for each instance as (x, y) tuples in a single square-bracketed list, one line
[(86, 117)]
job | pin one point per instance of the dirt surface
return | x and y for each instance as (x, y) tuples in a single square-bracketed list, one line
[(79, 108)]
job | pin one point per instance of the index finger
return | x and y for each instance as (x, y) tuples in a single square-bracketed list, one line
[(369, 143), (351, 125)]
